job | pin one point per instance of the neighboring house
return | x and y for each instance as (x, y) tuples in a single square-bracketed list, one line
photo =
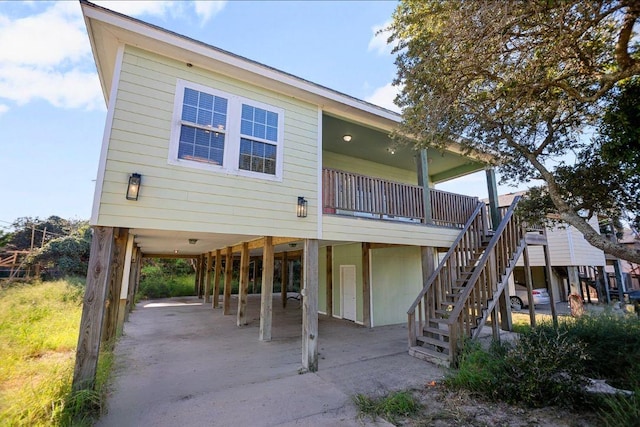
[(630, 272), (575, 262), (226, 157)]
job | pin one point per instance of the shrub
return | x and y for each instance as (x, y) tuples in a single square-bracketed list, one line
[(620, 410), (543, 369), (539, 369), (612, 345)]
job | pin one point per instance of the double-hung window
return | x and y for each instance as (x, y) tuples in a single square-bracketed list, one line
[(227, 133)]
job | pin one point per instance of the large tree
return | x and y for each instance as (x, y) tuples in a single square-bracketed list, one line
[(522, 81)]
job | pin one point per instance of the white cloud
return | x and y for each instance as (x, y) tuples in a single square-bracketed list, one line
[(205, 10), (137, 8), (384, 96), (208, 9), (46, 55), (3, 108), (378, 42)]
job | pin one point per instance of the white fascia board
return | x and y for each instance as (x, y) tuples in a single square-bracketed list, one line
[(143, 35)]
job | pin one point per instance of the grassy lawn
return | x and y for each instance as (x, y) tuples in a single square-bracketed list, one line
[(38, 336)]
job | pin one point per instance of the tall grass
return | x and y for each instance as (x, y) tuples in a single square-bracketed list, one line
[(38, 335)]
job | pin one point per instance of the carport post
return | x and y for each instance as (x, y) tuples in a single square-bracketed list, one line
[(216, 278), (93, 307), (310, 306), (207, 280), (266, 299), (228, 275), (243, 287), (529, 282), (284, 279)]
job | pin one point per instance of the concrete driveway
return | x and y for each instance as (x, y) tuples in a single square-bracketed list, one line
[(182, 363)]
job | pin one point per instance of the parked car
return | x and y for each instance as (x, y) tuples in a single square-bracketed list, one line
[(521, 298), (634, 298)]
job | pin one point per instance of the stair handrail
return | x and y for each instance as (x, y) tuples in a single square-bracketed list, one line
[(482, 262), (427, 284)]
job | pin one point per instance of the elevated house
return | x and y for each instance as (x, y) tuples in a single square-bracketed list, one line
[(212, 156)]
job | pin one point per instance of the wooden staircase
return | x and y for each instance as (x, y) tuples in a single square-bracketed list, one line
[(464, 290)]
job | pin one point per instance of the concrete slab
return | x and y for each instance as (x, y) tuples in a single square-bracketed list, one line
[(182, 362)]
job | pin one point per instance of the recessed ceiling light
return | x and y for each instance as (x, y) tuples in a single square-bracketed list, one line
[(391, 150), (346, 138)]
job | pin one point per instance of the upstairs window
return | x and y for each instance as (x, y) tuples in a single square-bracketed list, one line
[(223, 132), (203, 127)]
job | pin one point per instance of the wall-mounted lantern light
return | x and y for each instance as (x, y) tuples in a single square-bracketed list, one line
[(302, 207), (134, 186)]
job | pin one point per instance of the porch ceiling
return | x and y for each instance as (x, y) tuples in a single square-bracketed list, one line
[(375, 145)]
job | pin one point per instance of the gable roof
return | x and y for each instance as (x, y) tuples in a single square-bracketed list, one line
[(108, 30)]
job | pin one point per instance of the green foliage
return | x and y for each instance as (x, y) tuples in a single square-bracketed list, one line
[(477, 369), (65, 256), (391, 406), (156, 283), (539, 369), (619, 410), (612, 345), (27, 228), (544, 369)]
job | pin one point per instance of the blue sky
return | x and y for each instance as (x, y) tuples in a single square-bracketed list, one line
[(52, 111)]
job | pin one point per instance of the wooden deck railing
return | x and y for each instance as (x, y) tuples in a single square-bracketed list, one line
[(355, 194)]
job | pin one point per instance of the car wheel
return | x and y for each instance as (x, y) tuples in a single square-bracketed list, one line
[(516, 303)]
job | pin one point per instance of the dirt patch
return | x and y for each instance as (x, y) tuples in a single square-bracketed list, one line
[(442, 407)]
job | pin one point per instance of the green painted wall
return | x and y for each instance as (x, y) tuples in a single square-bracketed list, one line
[(395, 282), (350, 254)]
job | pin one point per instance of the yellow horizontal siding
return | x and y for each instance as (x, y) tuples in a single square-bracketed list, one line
[(335, 227), (173, 197), (364, 167)]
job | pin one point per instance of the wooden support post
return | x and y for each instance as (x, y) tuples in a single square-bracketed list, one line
[(138, 272), (310, 306), (285, 279), (203, 269), (428, 262), (423, 181), (329, 289), (243, 286), (529, 282), (228, 276), (619, 282), (133, 277), (366, 287), (109, 331), (124, 285), (207, 279), (266, 297), (196, 282), (492, 188), (547, 266), (216, 278), (574, 281), (506, 322), (93, 308)]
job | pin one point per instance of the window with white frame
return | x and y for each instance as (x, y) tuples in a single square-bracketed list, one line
[(227, 133)]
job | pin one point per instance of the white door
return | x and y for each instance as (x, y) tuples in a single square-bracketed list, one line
[(348, 291)]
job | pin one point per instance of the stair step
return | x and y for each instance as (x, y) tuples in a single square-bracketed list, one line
[(443, 312), (448, 303), (425, 354), (436, 331), (436, 321), (434, 342)]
